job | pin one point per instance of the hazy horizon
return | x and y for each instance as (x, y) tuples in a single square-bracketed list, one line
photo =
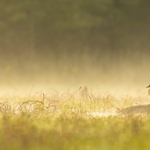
[(101, 45)]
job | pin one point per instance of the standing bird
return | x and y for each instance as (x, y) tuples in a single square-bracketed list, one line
[(148, 92)]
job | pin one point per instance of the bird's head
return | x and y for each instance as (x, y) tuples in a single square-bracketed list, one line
[(148, 86)]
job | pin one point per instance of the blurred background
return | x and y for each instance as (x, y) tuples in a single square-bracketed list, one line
[(100, 44)]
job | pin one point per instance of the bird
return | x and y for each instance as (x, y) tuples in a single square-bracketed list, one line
[(148, 92)]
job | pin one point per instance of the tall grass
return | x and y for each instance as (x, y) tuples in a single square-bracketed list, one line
[(65, 121)]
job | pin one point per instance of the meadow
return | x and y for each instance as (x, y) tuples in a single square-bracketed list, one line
[(61, 121)]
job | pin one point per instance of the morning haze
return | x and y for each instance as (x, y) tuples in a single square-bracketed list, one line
[(73, 73), (103, 45)]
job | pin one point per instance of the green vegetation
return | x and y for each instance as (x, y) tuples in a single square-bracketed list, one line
[(104, 43), (55, 40), (110, 24), (66, 123), (24, 132)]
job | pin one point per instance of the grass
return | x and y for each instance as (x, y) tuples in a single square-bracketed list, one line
[(64, 123)]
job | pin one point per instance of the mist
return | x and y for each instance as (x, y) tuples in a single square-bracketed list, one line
[(103, 46)]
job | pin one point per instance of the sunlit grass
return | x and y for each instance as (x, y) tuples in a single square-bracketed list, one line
[(65, 121)]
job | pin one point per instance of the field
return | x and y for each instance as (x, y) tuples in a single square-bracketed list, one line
[(77, 120)]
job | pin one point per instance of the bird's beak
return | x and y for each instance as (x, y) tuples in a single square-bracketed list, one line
[(148, 86)]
